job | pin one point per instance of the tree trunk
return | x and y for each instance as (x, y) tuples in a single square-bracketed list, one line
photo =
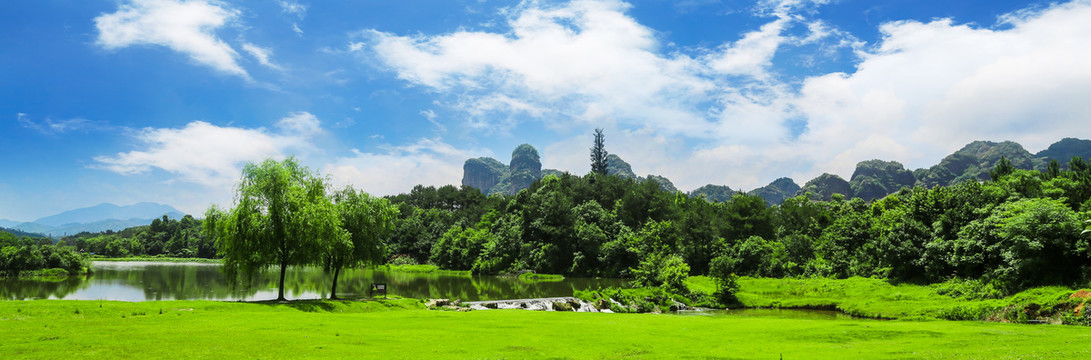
[(333, 292), (283, 268)]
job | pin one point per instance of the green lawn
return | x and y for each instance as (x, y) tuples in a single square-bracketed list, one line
[(52, 329), (867, 297)]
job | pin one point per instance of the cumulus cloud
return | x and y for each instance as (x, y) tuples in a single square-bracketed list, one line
[(212, 155), (396, 169), (187, 27), (585, 60), (921, 91)]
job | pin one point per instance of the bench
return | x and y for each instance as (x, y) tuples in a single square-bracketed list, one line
[(377, 288)]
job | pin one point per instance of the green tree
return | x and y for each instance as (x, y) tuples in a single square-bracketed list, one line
[(598, 153), (367, 220), (1003, 167), (281, 217)]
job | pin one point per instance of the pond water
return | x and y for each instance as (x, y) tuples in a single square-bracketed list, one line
[(144, 281)]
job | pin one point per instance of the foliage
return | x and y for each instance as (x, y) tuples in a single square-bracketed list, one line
[(163, 237), (367, 221), (598, 153), (281, 217), (25, 255)]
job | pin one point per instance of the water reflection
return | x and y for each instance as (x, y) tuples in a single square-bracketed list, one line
[(141, 281)]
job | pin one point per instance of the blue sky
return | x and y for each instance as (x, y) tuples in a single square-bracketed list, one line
[(164, 100)]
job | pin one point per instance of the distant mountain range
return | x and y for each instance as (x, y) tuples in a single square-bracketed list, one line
[(97, 218), (872, 179)]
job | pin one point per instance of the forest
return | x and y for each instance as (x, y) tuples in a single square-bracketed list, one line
[(1020, 229)]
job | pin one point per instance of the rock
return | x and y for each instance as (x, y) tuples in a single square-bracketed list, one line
[(561, 306), (482, 173), (664, 183), (617, 167), (491, 305), (432, 303), (574, 304)]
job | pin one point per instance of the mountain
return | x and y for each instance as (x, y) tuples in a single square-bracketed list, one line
[(719, 193), (144, 210), (20, 233), (824, 186), (871, 180), (974, 162), (492, 177), (617, 167), (875, 179), (664, 183), (777, 191), (483, 172), (9, 223), (99, 218), (1063, 151)]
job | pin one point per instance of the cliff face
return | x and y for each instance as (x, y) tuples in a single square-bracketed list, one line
[(482, 173), (824, 186), (493, 177), (875, 179), (525, 168)]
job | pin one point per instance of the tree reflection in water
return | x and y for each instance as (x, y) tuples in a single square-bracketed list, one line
[(141, 281)]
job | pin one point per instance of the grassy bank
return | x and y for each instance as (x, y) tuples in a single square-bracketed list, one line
[(877, 298), (156, 259), (424, 269), (398, 329)]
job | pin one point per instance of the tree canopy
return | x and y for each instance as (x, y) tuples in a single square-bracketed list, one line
[(282, 216)]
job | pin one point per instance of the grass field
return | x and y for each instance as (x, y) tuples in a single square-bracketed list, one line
[(52, 329)]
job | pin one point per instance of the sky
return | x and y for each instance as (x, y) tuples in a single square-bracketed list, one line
[(125, 101)]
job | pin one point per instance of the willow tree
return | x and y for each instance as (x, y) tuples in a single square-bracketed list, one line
[(281, 217), (367, 220)]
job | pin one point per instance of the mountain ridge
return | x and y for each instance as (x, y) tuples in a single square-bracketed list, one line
[(98, 218), (871, 180)]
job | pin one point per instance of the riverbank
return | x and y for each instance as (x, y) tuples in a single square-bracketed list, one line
[(156, 259), (875, 298), (50, 329)]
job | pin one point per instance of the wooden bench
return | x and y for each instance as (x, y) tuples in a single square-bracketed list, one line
[(377, 288)]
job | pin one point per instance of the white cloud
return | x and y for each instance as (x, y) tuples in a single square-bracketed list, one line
[(936, 86), (429, 162), (294, 8), (187, 27), (212, 155), (922, 91), (586, 61), (50, 126), (261, 54)]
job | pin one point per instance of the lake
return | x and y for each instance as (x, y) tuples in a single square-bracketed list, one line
[(147, 281)]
